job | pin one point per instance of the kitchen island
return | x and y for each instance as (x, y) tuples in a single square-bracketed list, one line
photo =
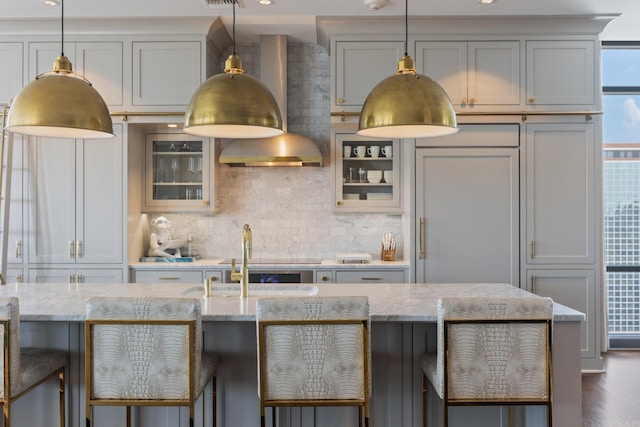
[(403, 328)]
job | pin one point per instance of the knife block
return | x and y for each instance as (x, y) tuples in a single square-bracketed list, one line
[(387, 255)]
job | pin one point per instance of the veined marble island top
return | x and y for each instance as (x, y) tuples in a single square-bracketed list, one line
[(388, 302)]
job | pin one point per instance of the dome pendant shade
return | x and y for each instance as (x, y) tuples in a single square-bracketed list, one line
[(233, 105), (407, 105), (60, 105)]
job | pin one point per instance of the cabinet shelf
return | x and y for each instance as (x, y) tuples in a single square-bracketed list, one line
[(353, 192)]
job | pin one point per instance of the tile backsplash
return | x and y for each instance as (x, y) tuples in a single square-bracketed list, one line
[(288, 208)]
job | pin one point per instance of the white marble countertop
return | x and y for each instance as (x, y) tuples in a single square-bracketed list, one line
[(260, 265), (388, 302)]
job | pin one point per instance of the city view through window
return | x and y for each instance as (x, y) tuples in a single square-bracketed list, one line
[(621, 173)]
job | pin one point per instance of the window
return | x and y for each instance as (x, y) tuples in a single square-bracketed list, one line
[(621, 131)]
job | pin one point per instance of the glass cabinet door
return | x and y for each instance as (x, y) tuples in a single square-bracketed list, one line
[(177, 173), (366, 174)]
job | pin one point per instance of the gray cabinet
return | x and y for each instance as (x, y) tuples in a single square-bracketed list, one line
[(366, 173), (179, 173), (562, 222), (72, 275), (166, 74), (167, 275), (370, 276), (562, 74), (17, 244), (99, 62), (560, 193), (358, 66), (575, 289), (76, 214), (11, 72), (467, 207), (475, 73)]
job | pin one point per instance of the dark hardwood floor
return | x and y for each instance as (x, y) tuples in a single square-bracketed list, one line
[(612, 399)]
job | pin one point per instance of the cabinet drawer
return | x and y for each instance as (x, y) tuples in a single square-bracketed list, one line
[(167, 276), (370, 276)]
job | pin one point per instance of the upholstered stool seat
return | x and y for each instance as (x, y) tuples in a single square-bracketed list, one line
[(491, 351), (146, 352), (23, 369), (314, 351)]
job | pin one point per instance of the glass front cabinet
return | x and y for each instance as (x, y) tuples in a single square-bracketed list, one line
[(179, 173), (367, 173)]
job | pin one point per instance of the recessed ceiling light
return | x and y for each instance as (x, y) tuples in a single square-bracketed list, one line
[(172, 125), (51, 2), (487, 1), (266, 2)]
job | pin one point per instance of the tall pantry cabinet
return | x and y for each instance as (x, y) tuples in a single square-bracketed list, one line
[(76, 193)]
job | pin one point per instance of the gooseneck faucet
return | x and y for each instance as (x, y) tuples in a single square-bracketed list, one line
[(243, 274)]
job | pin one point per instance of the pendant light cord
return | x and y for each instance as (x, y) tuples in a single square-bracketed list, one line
[(62, 28), (406, 26), (233, 27)]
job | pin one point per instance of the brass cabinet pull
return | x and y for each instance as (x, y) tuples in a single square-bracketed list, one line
[(325, 278), (79, 278), (472, 101), (371, 278), (464, 101), (531, 247), (420, 238), (18, 249), (72, 253), (339, 203), (72, 278), (340, 100), (531, 101), (205, 203), (19, 278), (533, 279), (79, 249), (213, 278), (169, 278)]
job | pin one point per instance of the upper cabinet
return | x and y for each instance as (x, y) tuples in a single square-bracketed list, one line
[(561, 74), (358, 66), (11, 73), (474, 74), (179, 173), (99, 62), (366, 173), (136, 65), (166, 74)]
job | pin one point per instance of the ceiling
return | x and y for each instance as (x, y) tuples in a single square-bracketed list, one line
[(296, 18)]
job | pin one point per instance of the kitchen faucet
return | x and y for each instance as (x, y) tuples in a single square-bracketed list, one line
[(243, 274)]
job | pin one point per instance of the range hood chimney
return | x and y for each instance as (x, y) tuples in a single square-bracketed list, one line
[(288, 149)]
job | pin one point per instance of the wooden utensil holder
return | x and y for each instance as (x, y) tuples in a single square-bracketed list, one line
[(387, 254)]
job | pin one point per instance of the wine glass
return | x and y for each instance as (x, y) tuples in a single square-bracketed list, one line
[(174, 169), (198, 169)]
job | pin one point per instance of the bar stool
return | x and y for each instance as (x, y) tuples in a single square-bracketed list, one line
[(25, 368), (314, 351), (491, 351), (146, 352)]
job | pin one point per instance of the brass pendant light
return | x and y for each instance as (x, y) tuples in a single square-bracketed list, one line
[(233, 104), (60, 104), (407, 105)]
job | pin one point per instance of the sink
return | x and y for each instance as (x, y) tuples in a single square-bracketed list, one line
[(264, 290)]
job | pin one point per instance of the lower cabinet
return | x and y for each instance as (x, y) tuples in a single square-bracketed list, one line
[(70, 275), (168, 275), (575, 289), (370, 276)]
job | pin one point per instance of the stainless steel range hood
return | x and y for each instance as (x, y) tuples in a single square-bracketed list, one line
[(285, 150)]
